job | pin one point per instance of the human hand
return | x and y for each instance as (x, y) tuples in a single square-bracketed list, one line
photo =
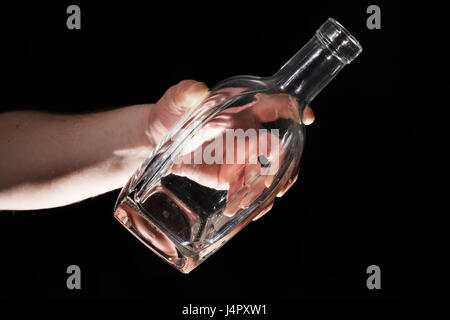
[(236, 176), (177, 100)]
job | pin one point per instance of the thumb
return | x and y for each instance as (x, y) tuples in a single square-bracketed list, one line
[(173, 104), (183, 96)]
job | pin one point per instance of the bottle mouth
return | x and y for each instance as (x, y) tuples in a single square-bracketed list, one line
[(339, 41)]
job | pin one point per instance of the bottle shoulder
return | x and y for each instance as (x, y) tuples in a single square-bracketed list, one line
[(247, 82)]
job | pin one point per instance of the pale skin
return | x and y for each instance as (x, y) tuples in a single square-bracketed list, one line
[(50, 160)]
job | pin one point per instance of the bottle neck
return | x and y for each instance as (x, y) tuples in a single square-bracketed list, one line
[(308, 71), (317, 63)]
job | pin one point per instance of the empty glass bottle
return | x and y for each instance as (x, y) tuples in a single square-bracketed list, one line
[(225, 161)]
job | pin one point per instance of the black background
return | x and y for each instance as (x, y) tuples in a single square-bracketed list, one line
[(361, 195)]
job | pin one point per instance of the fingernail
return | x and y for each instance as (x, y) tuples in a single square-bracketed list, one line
[(287, 186), (269, 180), (264, 211), (248, 199), (231, 209), (308, 116), (194, 95), (233, 201)]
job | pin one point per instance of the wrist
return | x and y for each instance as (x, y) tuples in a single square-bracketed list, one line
[(133, 144)]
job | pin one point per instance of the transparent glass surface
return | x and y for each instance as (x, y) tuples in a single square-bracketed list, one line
[(191, 194), (226, 160)]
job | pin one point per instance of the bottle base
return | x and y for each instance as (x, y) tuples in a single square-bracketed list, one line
[(183, 256), (135, 221)]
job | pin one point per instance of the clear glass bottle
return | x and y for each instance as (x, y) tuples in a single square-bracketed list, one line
[(225, 161)]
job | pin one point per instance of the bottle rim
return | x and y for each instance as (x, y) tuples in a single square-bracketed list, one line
[(339, 41)]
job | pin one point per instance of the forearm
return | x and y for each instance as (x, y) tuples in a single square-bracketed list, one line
[(53, 160)]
